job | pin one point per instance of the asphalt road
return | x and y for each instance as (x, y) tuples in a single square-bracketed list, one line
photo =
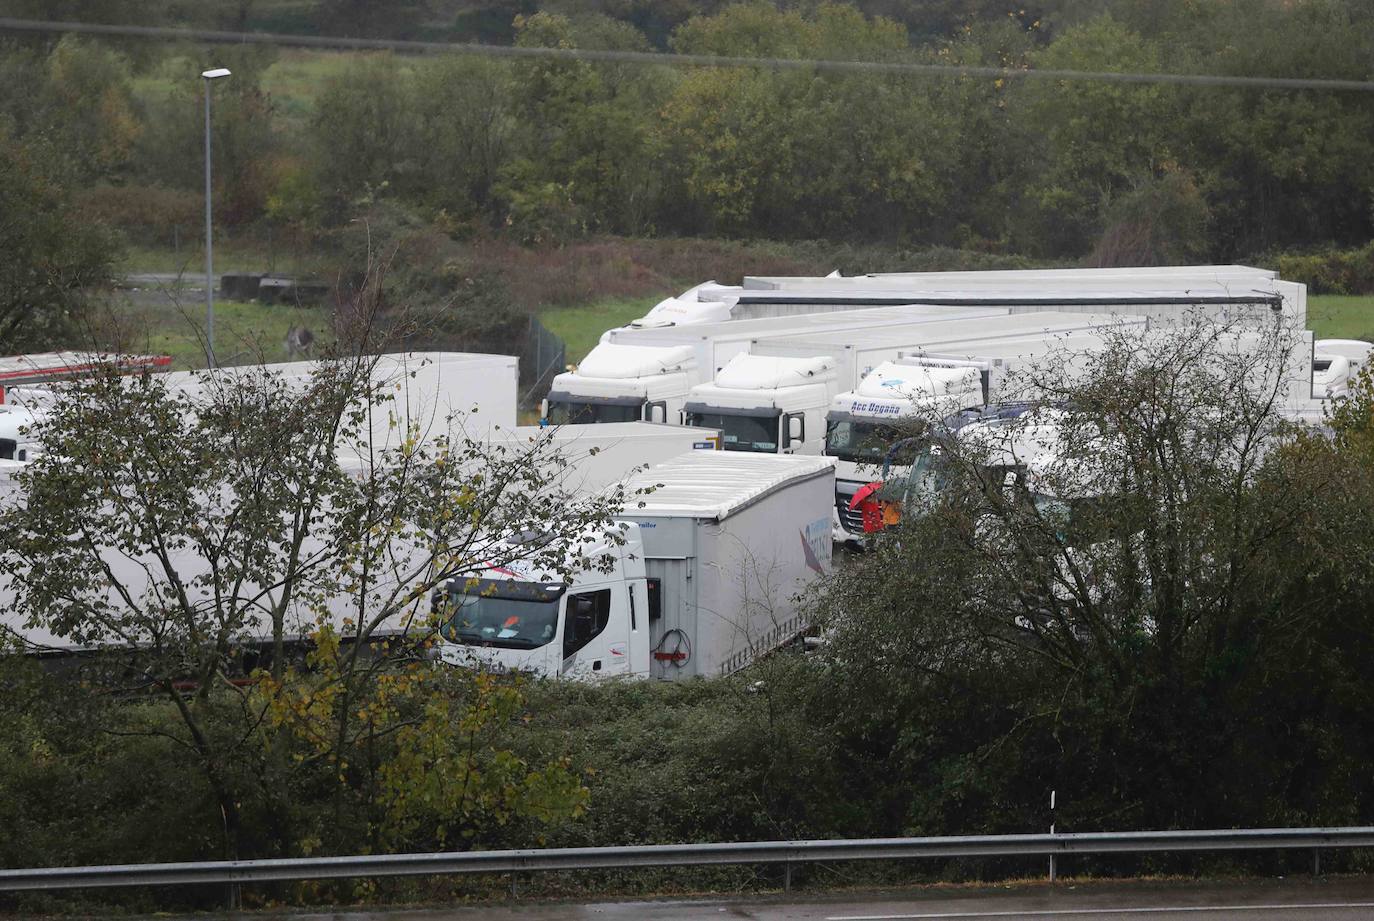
[(1281, 900)]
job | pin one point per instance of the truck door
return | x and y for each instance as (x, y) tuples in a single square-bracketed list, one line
[(596, 633), (670, 636)]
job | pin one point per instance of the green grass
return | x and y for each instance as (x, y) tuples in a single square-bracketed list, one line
[(296, 79), (244, 332), (581, 327), (246, 254), (1333, 316)]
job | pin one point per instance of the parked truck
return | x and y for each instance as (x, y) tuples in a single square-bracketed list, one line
[(20, 373), (775, 398), (646, 373), (700, 579), (866, 427)]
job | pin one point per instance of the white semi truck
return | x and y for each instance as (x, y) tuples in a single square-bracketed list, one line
[(863, 425), (775, 398), (646, 373), (579, 461), (20, 372), (700, 579), (1336, 363)]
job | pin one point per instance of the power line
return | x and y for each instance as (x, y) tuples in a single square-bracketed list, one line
[(665, 58)]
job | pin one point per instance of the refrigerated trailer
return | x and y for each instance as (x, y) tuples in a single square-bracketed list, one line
[(646, 373), (594, 457), (588, 460), (700, 577), (774, 399), (425, 393), (710, 302), (423, 390), (1166, 294)]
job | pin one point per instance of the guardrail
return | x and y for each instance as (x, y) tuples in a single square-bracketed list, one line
[(235, 872)]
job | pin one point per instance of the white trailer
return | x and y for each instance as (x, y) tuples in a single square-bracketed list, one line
[(429, 392), (646, 373), (598, 456), (710, 302), (1167, 294), (775, 398), (425, 390), (703, 583)]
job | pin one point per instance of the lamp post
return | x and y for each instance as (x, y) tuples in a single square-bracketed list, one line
[(209, 76)]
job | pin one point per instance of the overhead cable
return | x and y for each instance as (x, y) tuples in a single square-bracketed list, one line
[(216, 36)]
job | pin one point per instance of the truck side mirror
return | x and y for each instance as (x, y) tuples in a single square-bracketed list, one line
[(658, 412), (796, 429)]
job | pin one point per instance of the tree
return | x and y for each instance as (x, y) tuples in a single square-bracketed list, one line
[(1124, 594), (50, 254), (585, 162), (203, 537), (246, 142)]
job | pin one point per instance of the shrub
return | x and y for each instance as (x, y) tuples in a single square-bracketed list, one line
[(145, 213), (1330, 271)]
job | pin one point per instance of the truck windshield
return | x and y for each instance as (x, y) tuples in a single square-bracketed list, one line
[(741, 433), (867, 442), (927, 481), (590, 411), (503, 613)]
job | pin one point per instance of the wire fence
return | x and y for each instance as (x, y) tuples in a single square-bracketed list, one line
[(544, 356)]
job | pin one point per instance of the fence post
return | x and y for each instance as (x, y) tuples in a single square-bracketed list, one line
[(787, 877), (1316, 862)]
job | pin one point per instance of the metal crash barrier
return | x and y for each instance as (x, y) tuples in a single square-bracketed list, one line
[(684, 855)]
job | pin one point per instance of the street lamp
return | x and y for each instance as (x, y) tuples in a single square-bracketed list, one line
[(209, 76)]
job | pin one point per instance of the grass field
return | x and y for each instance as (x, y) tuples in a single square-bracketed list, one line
[(1335, 317), (244, 332), (580, 327), (245, 254)]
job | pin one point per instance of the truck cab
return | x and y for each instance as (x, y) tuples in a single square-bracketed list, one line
[(513, 618), (863, 425), (705, 303), (623, 383), (765, 404), (17, 443)]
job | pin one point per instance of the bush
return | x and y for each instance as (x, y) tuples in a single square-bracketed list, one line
[(145, 213), (1329, 271)]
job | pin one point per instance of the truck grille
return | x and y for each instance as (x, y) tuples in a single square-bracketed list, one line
[(850, 519)]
